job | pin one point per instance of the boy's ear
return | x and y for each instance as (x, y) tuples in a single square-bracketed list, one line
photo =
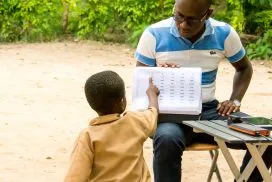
[(123, 103), (119, 105)]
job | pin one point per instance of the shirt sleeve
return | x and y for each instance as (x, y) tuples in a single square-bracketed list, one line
[(81, 160), (145, 52), (148, 121), (233, 47)]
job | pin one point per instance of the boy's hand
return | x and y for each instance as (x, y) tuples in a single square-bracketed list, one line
[(152, 90)]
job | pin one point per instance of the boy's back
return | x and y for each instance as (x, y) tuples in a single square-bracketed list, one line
[(111, 149)]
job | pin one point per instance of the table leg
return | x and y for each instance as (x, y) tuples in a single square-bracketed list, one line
[(251, 165), (257, 158), (233, 167)]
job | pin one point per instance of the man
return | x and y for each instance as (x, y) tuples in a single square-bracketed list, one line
[(192, 39)]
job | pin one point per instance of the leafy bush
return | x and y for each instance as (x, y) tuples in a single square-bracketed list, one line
[(34, 20), (258, 16), (30, 20), (92, 18), (262, 49), (141, 13)]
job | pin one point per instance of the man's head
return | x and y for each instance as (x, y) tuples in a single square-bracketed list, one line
[(105, 93), (190, 16)]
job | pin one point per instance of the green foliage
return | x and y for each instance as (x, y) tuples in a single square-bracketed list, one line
[(262, 49), (141, 13), (34, 20), (258, 15), (29, 20), (235, 16), (262, 21), (92, 18)]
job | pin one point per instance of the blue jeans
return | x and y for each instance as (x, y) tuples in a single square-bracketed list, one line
[(170, 140)]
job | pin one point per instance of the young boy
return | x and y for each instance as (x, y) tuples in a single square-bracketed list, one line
[(111, 148)]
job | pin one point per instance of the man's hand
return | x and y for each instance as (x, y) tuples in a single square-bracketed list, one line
[(168, 65), (227, 107)]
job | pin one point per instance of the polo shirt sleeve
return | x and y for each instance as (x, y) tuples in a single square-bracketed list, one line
[(145, 52), (148, 121), (233, 47), (81, 159)]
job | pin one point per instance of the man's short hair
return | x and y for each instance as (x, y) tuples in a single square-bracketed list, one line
[(103, 89), (208, 2)]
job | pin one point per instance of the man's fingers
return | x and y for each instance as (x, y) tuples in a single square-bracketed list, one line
[(218, 106), (221, 107), (168, 65), (226, 108), (224, 112), (231, 110), (236, 109)]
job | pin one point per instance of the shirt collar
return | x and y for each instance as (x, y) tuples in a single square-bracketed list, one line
[(208, 29), (105, 119)]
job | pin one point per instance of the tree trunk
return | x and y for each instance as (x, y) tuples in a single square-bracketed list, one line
[(65, 16)]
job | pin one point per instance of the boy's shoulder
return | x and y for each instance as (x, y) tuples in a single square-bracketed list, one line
[(104, 119), (134, 113)]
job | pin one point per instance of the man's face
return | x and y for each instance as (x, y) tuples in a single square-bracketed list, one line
[(190, 17)]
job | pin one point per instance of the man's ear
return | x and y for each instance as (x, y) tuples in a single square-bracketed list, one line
[(209, 13)]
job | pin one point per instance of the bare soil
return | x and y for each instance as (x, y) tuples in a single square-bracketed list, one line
[(43, 107)]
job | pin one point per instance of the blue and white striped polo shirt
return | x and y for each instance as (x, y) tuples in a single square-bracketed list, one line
[(161, 42)]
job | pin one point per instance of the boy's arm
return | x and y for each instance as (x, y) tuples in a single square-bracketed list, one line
[(152, 93), (81, 160), (151, 115)]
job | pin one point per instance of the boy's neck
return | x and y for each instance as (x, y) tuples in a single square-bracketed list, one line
[(108, 113)]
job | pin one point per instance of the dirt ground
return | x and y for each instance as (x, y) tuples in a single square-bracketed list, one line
[(43, 107)]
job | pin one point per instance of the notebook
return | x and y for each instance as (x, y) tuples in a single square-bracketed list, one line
[(180, 89), (249, 129)]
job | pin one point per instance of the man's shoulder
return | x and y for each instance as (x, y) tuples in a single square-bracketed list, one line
[(220, 29), (215, 22), (220, 26), (161, 28), (166, 23)]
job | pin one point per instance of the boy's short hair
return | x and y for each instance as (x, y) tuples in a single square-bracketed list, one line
[(103, 89)]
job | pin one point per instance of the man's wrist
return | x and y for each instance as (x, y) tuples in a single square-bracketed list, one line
[(236, 102)]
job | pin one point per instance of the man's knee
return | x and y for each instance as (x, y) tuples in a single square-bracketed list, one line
[(169, 135)]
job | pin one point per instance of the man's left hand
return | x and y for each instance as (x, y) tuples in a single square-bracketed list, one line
[(168, 65), (227, 107)]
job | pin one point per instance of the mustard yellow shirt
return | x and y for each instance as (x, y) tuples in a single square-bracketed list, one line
[(111, 149)]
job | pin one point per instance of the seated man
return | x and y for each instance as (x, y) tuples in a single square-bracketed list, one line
[(192, 39)]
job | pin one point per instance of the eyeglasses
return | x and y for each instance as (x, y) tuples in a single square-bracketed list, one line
[(190, 21)]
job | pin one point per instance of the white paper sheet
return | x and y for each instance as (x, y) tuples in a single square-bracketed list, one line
[(180, 89)]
